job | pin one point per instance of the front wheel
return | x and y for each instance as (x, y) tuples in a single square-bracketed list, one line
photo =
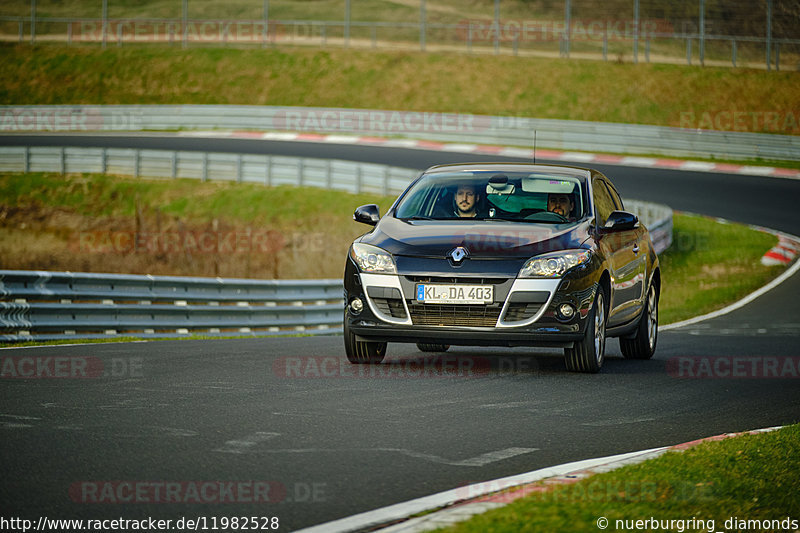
[(361, 352), (586, 355), (643, 344)]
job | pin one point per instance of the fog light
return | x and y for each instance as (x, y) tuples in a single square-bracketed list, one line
[(566, 311), (356, 306)]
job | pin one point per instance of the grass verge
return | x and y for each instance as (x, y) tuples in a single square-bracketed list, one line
[(749, 477), (659, 94)]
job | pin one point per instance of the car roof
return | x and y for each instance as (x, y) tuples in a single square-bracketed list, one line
[(578, 172)]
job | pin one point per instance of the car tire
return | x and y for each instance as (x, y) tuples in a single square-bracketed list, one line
[(424, 347), (643, 344), (362, 352), (587, 354)]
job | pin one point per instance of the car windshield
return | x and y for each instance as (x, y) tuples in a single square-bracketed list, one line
[(520, 196)]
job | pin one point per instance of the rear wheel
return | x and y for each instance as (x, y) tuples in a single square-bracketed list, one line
[(362, 352), (587, 354), (425, 347), (643, 344)]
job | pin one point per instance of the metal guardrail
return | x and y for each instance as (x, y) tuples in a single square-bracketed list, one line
[(64, 305), (269, 170), (446, 127)]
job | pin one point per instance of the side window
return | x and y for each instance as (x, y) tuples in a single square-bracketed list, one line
[(615, 196), (603, 204)]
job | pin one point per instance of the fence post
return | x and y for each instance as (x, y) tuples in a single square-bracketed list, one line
[(422, 28), (567, 26), (636, 31), (733, 52), (185, 18), (702, 33), (347, 23), (689, 51), (33, 21), (105, 22), (769, 34), (265, 30)]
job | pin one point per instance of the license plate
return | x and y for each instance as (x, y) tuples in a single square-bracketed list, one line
[(455, 294)]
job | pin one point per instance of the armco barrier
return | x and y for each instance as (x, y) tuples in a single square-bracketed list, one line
[(269, 170), (447, 127), (65, 305)]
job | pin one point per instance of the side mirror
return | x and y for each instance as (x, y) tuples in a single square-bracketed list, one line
[(367, 214), (620, 221)]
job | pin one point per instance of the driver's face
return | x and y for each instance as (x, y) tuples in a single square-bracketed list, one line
[(559, 203), (466, 198)]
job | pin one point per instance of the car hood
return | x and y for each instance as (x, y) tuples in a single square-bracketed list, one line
[(482, 239)]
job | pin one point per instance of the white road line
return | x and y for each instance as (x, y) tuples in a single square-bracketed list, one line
[(20, 417), (480, 460), (246, 444), (403, 510)]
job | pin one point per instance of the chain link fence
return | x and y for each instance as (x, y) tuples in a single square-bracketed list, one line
[(739, 33)]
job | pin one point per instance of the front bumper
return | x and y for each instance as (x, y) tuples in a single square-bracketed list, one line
[(523, 313)]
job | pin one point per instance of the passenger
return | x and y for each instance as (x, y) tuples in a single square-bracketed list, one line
[(561, 204)]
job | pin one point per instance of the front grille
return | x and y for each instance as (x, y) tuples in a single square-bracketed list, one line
[(392, 308), (517, 312), (454, 315), (453, 280)]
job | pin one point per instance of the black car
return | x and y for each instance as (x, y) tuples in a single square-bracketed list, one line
[(503, 254)]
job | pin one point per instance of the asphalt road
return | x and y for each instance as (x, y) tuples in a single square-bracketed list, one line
[(331, 442)]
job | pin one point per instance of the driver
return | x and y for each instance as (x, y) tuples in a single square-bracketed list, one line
[(466, 200), (562, 204)]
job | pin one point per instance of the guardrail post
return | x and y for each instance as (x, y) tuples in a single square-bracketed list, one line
[(469, 38), (358, 178), (205, 167), (689, 52), (174, 161), (605, 44), (21, 29), (516, 45), (69, 33), (119, 35), (63, 160), (647, 50), (385, 181), (328, 174), (268, 175), (300, 171), (27, 159), (239, 168), (733, 52), (374, 37), (104, 161), (777, 56), (136, 162)]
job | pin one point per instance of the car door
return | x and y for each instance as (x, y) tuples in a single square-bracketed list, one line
[(626, 256)]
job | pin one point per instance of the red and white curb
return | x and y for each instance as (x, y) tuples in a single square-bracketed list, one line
[(459, 504), (782, 253), (505, 151)]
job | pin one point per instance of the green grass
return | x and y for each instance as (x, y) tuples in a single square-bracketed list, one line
[(749, 477), (711, 265), (507, 86), (42, 218)]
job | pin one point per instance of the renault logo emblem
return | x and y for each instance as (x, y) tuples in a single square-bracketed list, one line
[(459, 254)]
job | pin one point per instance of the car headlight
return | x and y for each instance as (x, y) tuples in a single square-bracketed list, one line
[(555, 264), (372, 259)]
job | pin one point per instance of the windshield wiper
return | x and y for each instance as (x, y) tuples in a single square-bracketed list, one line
[(417, 217)]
